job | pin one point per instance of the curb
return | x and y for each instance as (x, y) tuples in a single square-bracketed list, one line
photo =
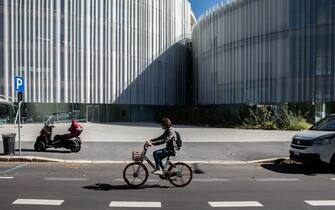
[(53, 160), (27, 159), (269, 160)]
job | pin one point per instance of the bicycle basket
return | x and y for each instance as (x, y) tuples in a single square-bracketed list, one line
[(137, 156)]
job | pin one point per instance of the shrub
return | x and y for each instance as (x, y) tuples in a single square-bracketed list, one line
[(259, 118), (290, 121), (263, 118)]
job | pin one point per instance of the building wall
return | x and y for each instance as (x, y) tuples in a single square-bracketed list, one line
[(265, 51), (2, 89), (95, 51)]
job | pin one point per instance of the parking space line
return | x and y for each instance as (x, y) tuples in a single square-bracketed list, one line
[(321, 202), (132, 204), (64, 179), (13, 169), (278, 180), (38, 202), (6, 177), (229, 204)]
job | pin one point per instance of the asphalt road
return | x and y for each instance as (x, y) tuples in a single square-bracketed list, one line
[(191, 151), (97, 186)]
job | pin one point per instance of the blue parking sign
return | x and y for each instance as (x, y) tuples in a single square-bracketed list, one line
[(19, 84)]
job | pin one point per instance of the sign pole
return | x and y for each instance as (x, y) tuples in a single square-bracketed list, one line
[(19, 88), (19, 127)]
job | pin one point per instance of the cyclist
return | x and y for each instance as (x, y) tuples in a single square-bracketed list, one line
[(168, 137)]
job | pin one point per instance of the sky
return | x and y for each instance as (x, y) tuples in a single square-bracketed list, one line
[(200, 6)]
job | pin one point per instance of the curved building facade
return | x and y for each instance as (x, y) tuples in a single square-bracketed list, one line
[(95, 51), (265, 51)]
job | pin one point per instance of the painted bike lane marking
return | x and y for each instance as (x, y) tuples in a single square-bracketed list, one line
[(6, 177), (230, 204), (133, 204), (15, 168), (38, 202), (64, 179), (278, 180), (321, 202)]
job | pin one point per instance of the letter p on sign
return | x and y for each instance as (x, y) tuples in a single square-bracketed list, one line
[(19, 84)]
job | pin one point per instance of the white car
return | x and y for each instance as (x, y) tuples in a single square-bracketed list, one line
[(315, 144)]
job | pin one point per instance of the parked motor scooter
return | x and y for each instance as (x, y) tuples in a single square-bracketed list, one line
[(70, 141)]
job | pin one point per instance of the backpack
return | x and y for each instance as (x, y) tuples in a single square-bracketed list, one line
[(178, 141)]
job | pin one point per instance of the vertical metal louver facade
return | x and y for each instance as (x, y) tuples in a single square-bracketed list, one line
[(265, 51), (95, 51)]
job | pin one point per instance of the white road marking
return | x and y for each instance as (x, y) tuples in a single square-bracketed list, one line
[(64, 179), (211, 180), (13, 169), (130, 204), (278, 180), (148, 180), (228, 204), (38, 202), (267, 160), (6, 177), (333, 179), (321, 202), (216, 162)]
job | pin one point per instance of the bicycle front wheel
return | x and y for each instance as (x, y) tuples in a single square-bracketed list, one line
[(135, 174), (180, 174)]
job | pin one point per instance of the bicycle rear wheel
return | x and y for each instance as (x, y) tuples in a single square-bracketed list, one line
[(180, 174), (135, 174)]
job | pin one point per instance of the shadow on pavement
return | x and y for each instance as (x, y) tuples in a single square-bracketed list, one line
[(294, 168), (196, 169), (108, 187), (47, 151)]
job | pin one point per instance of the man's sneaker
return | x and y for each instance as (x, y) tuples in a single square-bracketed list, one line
[(158, 172)]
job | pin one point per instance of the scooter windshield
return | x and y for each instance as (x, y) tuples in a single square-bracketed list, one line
[(51, 119)]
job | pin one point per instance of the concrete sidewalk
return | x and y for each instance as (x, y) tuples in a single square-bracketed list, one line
[(115, 142), (138, 132), (191, 151)]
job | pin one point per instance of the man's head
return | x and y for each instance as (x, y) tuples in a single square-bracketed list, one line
[(166, 123), (69, 116)]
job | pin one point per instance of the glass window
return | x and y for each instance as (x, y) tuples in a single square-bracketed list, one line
[(2, 70), (323, 9), (327, 124), (1, 24)]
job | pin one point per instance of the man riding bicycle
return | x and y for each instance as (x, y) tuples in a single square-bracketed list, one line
[(179, 174), (168, 137)]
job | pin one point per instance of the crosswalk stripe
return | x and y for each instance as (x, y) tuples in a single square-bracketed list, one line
[(226, 204), (321, 202), (38, 202), (6, 177), (278, 180), (64, 179), (132, 204)]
